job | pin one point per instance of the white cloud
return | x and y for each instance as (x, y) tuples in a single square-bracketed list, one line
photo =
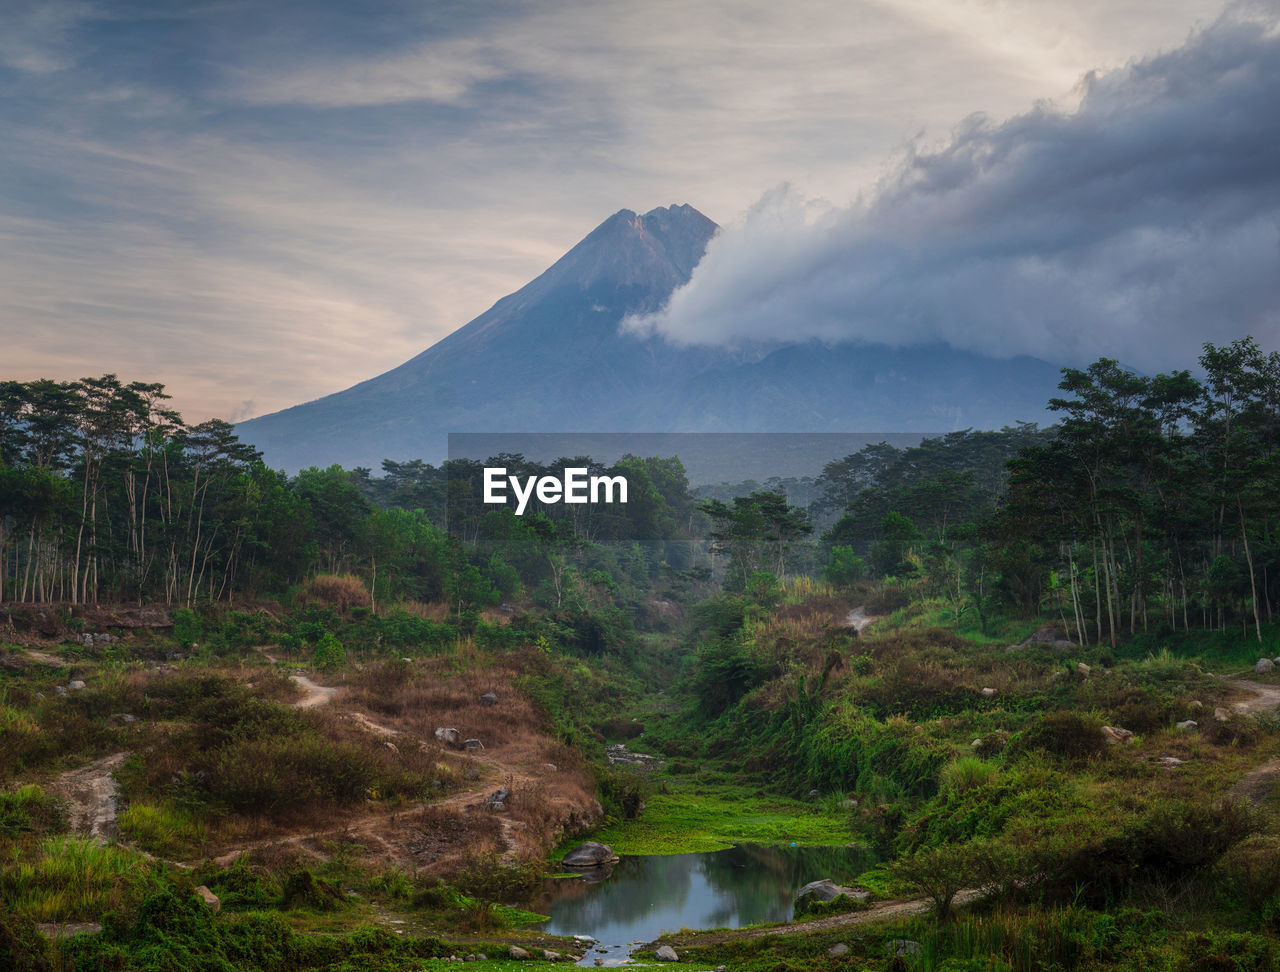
[(1140, 225)]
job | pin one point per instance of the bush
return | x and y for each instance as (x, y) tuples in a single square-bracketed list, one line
[(329, 654), (302, 889), (1067, 735), (341, 592), (22, 947)]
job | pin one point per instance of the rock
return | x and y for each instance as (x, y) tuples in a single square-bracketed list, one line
[(551, 956), (518, 953), (1188, 726), (1195, 705), (848, 804), (488, 699), (1115, 734), (838, 950), (1221, 714), (666, 953), (988, 692), (473, 744), (1276, 660), (448, 736), (1083, 669), (1170, 761), (1264, 665), (500, 795), (815, 793), (209, 898), (60, 689), (471, 773), (76, 685), (590, 854), (902, 946), (551, 767), (1046, 636), (826, 890)]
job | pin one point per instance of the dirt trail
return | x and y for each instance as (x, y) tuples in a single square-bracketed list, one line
[(313, 694), (91, 795), (1265, 697), (858, 619), (877, 912), (44, 658)]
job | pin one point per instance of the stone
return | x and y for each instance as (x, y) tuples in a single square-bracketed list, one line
[(488, 699), (902, 947), (448, 736), (827, 889), (1170, 761), (1264, 665), (838, 950), (590, 854), (1083, 669), (1115, 734), (815, 793), (976, 743), (988, 693), (551, 956), (551, 767), (518, 953), (498, 796), (471, 773), (76, 685), (473, 744), (1221, 714), (209, 898), (666, 953), (1195, 705), (1188, 725)]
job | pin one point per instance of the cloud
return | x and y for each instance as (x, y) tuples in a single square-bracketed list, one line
[(1139, 225)]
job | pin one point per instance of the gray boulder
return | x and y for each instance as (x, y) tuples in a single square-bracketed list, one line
[(826, 890), (518, 953), (590, 854), (838, 950), (209, 898), (448, 736), (1189, 725), (1264, 665), (488, 699), (76, 685), (903, 947), (666, 953), (473, 744)]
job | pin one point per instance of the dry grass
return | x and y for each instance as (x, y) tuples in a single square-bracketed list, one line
[(341, 592)]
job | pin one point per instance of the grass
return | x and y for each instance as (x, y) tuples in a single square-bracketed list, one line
[(73, 879), (701, 816), (163, 829)]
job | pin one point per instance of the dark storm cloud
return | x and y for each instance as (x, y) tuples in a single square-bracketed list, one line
[(1139, 225)]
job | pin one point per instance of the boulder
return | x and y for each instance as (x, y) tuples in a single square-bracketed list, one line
[(1195, 705), (518, 953), (838, 950), (590, 854), (1264, 665), (488, 699), (903, 947), (666, 953), (1221, 714), (209, 898), (1188, 725), (826, 890), (473, 744), (988, 693), (1115, 734), (497, 800), (449, 737), (76, 685), (551, 956), (1083, 669), (1170, 761)]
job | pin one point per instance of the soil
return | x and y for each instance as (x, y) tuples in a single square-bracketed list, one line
[(90, 793)]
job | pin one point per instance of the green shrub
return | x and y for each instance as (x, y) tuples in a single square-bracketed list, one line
[(1069, 736), (302, 889), (30, 810), (329, 654)]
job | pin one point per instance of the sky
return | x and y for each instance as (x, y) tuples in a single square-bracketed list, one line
[(262, 203)]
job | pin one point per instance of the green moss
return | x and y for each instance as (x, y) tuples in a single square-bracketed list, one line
[(709, 817)]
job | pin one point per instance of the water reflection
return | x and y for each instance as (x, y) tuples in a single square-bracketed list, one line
[(646, 896)]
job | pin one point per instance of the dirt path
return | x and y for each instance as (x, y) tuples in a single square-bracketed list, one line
[(878, 912), (1265, 697), (313, 694), (91, 795), (858, 619), (44, 658)]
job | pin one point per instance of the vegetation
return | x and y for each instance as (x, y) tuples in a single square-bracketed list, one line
[(1023, 720)]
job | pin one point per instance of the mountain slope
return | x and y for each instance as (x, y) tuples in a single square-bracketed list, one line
[(550, 358)]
